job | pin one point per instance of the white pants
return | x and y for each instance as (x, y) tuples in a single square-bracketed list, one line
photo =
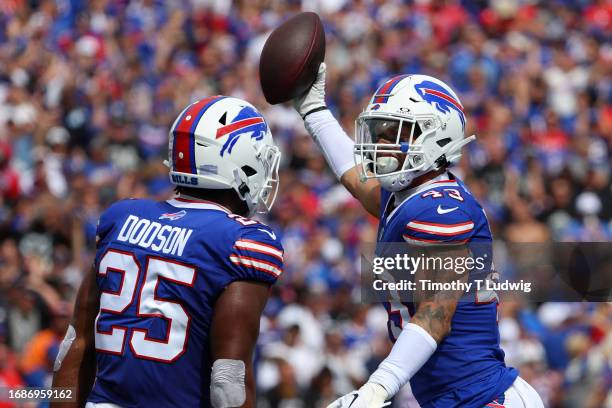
[(519, 395)]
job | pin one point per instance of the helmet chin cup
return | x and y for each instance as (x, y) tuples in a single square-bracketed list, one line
[(242, 189), (395, 182)]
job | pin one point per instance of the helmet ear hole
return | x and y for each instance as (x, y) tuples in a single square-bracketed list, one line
[(442, 161), (248, 170), (443, 142)]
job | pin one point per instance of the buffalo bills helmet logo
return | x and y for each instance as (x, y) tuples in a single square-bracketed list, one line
[(248, 120), (441, 98)]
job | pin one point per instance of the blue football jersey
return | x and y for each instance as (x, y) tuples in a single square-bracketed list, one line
[(467, 369), (160, 268)]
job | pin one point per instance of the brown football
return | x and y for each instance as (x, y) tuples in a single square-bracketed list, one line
[(291, 57)]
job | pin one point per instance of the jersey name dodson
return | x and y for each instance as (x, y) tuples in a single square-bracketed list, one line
[(150, 234)]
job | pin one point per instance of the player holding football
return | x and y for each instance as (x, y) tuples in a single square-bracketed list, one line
[(169, 315), (408, 136)]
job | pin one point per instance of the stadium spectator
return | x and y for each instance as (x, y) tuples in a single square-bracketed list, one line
[(88, 91)]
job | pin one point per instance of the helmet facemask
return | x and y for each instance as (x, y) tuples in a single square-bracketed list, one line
[(267, 194), (261, 195), (412, 126), (390, 147)]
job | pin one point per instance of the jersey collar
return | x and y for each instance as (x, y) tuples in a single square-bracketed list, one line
[(443, 180), (189, 202)]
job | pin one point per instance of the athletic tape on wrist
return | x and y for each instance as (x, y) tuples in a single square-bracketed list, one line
[(227, 386)]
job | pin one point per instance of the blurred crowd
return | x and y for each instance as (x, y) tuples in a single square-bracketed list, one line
[(88, 90)]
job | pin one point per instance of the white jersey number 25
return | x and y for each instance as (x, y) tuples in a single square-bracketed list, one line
[(149, 305)]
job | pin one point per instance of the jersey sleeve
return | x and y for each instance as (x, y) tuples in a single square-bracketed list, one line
[(103, 227), (109, 217), (257, 254), (431, 227)]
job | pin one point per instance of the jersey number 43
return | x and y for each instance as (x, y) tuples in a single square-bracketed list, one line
[(149, 304)]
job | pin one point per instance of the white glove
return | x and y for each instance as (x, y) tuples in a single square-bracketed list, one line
[(371, 395), (314, 99)]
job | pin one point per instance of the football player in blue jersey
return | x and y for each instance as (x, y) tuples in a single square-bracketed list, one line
[(169, 315), (407, 138)]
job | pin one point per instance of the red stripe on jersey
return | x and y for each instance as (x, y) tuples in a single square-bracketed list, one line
[(185, 200), (444, 181), (433, 224), (440, 229), (274, 269), (248, 258), (273, 251), (433, 241)]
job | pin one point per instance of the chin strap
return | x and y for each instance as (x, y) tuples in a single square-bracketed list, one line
[(244, 192)]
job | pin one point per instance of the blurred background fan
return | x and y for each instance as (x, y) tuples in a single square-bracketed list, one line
[(88, 91)]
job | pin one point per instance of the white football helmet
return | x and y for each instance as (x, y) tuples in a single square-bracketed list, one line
[(222, 142), (413, 124)]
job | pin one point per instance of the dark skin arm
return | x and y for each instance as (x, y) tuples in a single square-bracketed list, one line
[(242, 302), (367, 193), (78, 370)]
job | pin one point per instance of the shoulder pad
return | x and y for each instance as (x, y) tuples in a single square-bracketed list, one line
[(257, 252)]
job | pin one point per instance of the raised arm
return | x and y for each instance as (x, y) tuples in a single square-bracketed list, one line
[(366, 192), (75, 365), (234, 332), (337, 147)]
